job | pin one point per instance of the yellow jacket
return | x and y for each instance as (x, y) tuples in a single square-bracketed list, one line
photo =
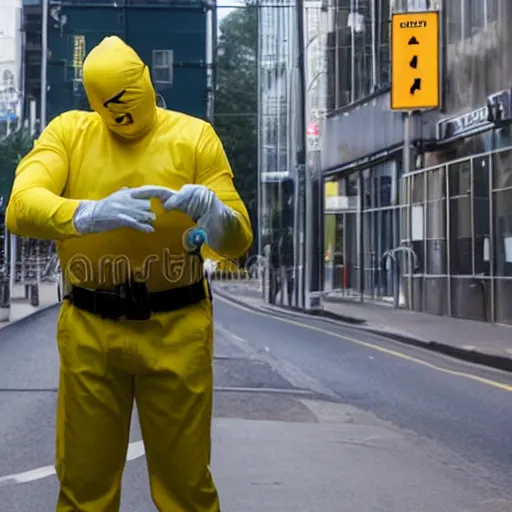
[(85, 155)]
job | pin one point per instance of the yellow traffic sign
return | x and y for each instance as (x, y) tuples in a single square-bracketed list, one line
[(415, 60)]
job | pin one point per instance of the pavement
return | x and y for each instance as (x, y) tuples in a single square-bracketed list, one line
[(479, 342), (21, 307), (309, 415)]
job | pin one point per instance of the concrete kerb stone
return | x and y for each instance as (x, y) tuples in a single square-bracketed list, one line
[(472, 356)]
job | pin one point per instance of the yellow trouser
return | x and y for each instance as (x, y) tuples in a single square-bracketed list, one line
[(165, 365)]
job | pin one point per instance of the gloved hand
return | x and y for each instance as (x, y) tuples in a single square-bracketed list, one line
[(202, 206), (126, 208)]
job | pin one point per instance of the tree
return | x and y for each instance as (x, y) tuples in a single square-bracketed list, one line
[(236, 100), (12, 149)]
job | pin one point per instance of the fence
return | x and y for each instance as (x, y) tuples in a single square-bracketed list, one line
[(25, 263)]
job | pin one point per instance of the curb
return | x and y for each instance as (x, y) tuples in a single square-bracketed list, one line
[(30, 317), (503, 363), (291, 310)]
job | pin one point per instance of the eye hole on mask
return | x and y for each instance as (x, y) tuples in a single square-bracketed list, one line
[(124, 119)]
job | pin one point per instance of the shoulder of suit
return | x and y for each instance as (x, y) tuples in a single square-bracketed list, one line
[(182, 121), (79, 119)]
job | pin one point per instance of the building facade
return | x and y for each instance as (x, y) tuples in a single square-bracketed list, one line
[(427, 227), (277, 111), (464, 192), (433, 237), (173, 37), (10, 64)]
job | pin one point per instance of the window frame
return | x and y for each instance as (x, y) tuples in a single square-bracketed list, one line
[(167, 65)]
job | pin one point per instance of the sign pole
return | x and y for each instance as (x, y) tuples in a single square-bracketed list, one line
[(415, 86), (406, 170)]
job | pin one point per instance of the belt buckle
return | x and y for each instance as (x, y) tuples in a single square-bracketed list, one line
[(135, 299)]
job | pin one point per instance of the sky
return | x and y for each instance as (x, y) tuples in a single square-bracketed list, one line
[(224, 7)]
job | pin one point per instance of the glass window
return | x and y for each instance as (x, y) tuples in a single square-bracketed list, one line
[(357, 53), (382, 183), (417, 183), (465, 18), (352, 183), (162, 66), (436, 183), (481, 205), (461, 249), (460, 178), (368, 194), (503, 232), (502, 169)]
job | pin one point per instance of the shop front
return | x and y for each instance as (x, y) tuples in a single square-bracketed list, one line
[(458, 218), (362, 155), (361, 229)]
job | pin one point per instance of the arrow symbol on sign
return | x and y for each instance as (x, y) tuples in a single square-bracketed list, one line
[(414, 62), (416, 86), (413, 40)]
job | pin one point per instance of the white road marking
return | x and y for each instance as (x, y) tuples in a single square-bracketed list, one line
[(304, 385), (135, 451)]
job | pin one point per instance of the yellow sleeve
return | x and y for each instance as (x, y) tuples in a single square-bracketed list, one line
[(36, 208), (213, 171)]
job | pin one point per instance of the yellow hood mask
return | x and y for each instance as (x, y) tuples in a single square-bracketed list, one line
[(119, 88)]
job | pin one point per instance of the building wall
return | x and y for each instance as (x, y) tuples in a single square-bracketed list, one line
[(10, 59), (438, 239), (278, 134), (32, 53), (460, 218), (170, 38), (455, 213), (357, 46), (478, 44)]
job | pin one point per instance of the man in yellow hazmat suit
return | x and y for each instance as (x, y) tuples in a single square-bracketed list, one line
[(117, 188)]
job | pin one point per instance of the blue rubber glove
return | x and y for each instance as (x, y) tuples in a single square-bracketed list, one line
[(126, 208)]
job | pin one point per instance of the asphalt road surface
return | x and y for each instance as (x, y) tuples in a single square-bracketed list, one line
[(309, 416)]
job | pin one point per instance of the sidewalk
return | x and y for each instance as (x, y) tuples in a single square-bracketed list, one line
[(21, 307), (473, 341), (341, 459)]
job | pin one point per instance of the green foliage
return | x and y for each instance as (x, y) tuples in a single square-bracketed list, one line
[(236, 100), (12, 149)]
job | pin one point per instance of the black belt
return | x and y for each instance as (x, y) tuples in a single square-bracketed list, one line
[(133, 301)]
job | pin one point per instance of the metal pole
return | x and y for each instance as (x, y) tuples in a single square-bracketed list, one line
[(301, 140), (491, 233), (395, 185), (21, 70), (352, 52), (448, 235), (44, 63), (259, 209), (5, 289), (12, 254), (407, 169), (34, 295), (374, 46)]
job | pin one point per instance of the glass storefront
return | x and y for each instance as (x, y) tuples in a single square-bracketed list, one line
[(458, 220), (277, 159), (361, 230), (357, 50)]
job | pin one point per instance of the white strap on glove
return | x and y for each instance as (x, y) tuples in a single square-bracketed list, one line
[(203, 207), (126, 208)]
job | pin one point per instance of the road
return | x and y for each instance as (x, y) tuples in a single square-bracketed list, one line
[(309, 416)]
